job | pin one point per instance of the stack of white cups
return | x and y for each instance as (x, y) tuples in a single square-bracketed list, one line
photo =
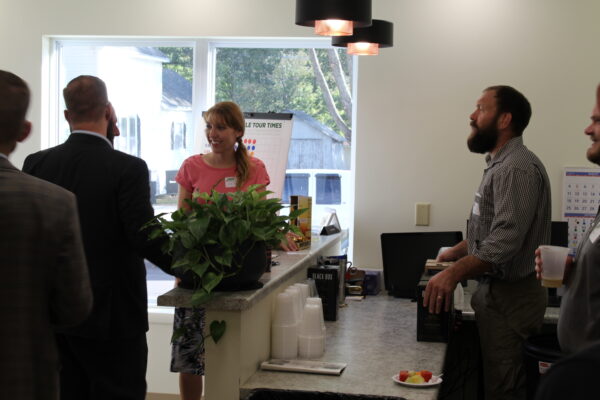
[(311, 332), (284, 332), (298, 326)]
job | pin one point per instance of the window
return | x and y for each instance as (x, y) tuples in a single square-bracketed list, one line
[(129, 140), (329, 190), (178, 136), (295, 184), (159, 90)]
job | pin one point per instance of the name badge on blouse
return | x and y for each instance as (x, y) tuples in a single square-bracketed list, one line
[(230, 182), (595, 233)]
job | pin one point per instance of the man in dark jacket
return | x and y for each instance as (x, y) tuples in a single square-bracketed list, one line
[(105, 357)]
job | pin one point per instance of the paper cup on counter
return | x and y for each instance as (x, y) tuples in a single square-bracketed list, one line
[(311, 332), (554, 259), (319, 303), (304, 290), (284, 341), (311, 324), (311, 347), (285, 310), (284, 330), (297, 296)]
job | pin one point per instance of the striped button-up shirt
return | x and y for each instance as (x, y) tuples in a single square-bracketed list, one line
[(511, 213)]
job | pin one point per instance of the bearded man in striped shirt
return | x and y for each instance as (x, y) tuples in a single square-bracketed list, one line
[(509, 219)]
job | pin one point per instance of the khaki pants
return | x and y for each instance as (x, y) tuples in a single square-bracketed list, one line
[(506, 314)]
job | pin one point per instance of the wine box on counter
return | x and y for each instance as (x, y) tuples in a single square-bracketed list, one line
[(432, 327), (327, 280)]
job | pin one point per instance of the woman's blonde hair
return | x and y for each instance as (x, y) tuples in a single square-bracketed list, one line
[(232, 117)]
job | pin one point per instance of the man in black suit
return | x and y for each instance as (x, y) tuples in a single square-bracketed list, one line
[(105, 357)]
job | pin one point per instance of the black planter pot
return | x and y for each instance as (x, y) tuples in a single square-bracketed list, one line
[(255, 265)]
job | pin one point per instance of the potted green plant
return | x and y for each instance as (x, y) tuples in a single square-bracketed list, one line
[(221, 238)]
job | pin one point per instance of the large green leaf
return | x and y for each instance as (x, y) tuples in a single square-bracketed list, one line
[(200, 269), (211, 280), (199, 226), (226, 235), (182, 262), (217, 330), (156, 233), (193, 256), (225, 258), (187, 240)]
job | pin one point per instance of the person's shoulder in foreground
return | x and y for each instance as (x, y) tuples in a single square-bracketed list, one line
[(574, 377)]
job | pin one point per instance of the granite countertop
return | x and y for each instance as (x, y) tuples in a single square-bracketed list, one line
[(463, 304), (376, 337), (289, 264)]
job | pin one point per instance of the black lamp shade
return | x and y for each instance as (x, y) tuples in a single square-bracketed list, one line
[(309, 11), (381, 32)]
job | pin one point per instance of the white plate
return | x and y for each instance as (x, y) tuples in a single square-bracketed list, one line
[(435, 380)]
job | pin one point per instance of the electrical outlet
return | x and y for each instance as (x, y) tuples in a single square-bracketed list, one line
[(422, 214)]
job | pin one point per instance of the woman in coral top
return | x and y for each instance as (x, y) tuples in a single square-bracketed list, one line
[(227, 168)]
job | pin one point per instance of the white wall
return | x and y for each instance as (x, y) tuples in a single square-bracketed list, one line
[(413, 100)]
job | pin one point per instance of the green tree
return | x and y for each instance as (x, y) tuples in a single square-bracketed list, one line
[(181, 60), (309, 80)]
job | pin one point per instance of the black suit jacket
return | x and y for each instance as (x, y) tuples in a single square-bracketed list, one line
[(113, 196)]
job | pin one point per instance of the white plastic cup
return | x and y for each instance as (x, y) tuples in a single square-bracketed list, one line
[(312, 286), (284, 330), (319, 303), (285, 310), (554, 259), (311, 333), (314, 300), (311, 347), (311, 321), (304, 290), (297, 296), (284, 342)]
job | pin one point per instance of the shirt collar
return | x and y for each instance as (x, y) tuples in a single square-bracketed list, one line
[(94, 134), (504, 151), (2, 155)]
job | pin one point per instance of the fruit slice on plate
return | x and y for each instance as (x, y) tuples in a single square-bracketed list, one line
[(417, 378)]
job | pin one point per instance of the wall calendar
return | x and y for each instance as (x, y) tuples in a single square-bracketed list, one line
[(581, 198)]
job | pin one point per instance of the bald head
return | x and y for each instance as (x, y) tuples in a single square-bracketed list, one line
[(86, 99), (14, 101)]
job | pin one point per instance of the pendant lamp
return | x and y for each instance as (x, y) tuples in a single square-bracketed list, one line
[(333, 17), (367, 41)]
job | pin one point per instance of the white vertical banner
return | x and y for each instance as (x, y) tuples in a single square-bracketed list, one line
[(267, 137)]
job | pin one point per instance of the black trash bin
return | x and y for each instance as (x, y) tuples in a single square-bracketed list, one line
[(277, 394), (540, 352)]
